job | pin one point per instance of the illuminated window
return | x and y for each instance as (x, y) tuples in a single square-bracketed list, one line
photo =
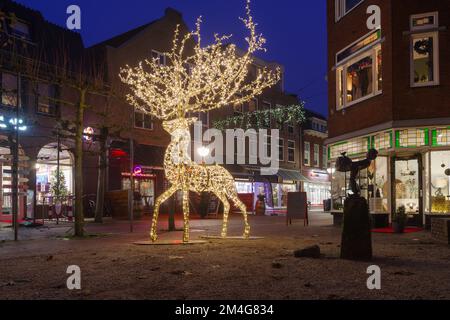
[(354, 147), (359, 73), (325, 157), (425, 60), (424, 21), (383, 141), (411, 138), (360, 78), (441, 137), (424, 50)]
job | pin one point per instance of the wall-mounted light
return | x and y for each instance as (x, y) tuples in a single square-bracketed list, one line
[(88, 134)]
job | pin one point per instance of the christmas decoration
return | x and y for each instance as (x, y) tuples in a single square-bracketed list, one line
[(260, 119), (215, 76)]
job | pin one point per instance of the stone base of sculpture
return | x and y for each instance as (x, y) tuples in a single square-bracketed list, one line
[(356, 234)]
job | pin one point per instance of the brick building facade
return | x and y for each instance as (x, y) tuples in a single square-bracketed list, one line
[(389, 81), (316, 176)]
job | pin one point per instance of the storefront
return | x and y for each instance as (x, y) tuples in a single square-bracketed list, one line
[(148, 173), (144, 184), (413, 170), (317, 186), (275, 188), (47, 165), (6, 184)]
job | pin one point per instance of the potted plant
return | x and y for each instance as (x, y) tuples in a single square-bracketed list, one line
[(260, 209), (399, 220)]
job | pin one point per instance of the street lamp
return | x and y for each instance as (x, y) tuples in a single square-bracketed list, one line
[(203, 152)]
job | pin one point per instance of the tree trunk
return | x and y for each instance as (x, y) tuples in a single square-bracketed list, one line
[(79, 215), (101, 182)]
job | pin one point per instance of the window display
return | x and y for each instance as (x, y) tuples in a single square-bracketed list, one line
[(440, 182)]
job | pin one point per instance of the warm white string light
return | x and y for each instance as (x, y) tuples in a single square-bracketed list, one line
[(215, 76)]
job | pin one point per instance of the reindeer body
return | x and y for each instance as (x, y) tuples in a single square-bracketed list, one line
[(185, 175)]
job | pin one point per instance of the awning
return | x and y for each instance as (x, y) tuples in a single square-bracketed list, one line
[(253, 174), (291, 175)]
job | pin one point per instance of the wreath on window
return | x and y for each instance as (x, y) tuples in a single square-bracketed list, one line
[(423, 46)]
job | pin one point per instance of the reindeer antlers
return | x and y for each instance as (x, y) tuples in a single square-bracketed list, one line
[(213, 77)]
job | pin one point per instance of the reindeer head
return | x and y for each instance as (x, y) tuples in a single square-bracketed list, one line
[(178, 124)]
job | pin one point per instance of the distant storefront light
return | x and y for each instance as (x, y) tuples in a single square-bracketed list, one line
[(88, 134)]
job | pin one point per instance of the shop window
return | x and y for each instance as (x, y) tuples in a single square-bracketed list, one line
[(159, 57), (9, 90), (143, 121), (307, 153), (281, 149), (46, 96), (316, 155), (378, 185), (407, 188), (440, 182), (345, 6), (291, 151)]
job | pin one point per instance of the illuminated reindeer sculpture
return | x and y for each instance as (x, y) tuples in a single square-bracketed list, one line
[(213, 77)]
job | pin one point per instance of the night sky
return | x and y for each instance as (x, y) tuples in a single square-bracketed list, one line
[(295, 30)]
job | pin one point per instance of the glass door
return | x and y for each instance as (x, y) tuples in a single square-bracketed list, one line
[(408, 189)]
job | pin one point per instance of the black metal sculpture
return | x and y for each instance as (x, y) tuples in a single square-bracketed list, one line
[(345, 164)]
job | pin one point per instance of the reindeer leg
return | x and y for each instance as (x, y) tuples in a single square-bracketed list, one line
[(238, 203), (226, 210), (186, 215), (161, 199)]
